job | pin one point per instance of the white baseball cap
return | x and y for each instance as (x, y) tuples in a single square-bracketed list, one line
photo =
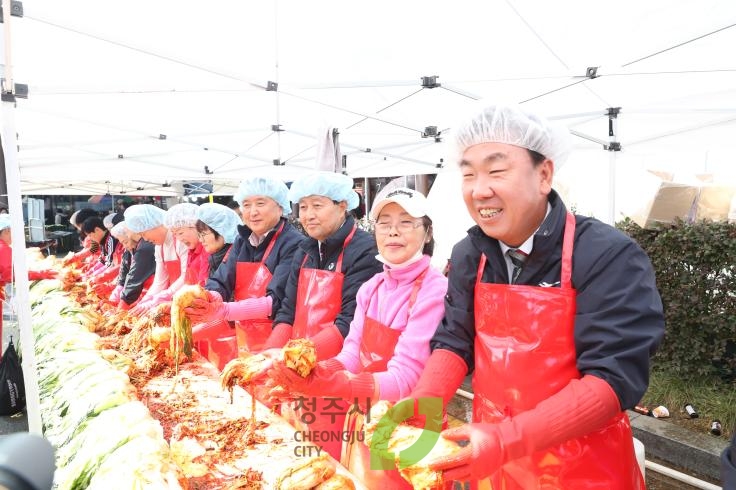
[(412, 201)]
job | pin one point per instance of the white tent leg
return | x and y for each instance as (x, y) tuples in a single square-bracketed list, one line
[(15, 207)]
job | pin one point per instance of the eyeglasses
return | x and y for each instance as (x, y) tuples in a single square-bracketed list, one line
[(404, 226)]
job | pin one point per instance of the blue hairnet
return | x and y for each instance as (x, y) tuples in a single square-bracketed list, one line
[(120, 230), (337, 187), (4, 221), (512, 125), (220, 218), (181, 215), (143, 217), (264, 186)]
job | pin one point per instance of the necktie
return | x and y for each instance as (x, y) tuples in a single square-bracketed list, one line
[(517, 259), (321, 257)]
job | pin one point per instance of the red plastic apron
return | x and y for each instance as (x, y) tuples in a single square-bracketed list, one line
[(198, 266), (173, 267), (318, 302), (251, 281), (525, 351), (376, 349)]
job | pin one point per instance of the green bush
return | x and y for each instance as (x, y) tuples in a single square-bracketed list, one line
[(695, 264)]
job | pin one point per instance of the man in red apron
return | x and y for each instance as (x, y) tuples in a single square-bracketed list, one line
[(170, 254), (249, 285), (555, 315), (397, 313), (327, 270)]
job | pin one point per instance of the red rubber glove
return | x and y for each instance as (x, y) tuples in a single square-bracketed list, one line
[(280, 335), (327, 342), (324, 381), (207, 311), (581, 407), (44, 274)]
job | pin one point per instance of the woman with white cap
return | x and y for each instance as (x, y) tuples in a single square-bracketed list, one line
[(170, 254), (328, 269), (248, 287), (137, 267), (6, 265), (397, 313)]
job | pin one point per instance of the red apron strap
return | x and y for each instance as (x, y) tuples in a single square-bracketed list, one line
[(481, 267), (567, 246), (272, 242), (338, 267)]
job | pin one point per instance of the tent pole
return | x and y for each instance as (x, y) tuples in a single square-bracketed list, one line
[(15, 207), (613, 147)]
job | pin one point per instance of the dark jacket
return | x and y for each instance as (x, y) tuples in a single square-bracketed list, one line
[(358, 265), (142, 266), (214, 260), (125, 260), (619, 321), (278, 263)]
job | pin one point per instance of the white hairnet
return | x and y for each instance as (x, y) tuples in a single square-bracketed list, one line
[(107, 221), (4, 221), (220, 218), (337, 187), (510, 124), (73, 217), (143, 217), (264, 186), (120, 231), (181, 215)]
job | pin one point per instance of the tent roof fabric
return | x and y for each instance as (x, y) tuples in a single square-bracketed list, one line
[(138, 97)]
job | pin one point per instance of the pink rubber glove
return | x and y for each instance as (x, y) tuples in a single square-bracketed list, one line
[(583, 406), (142, 307), (247, 309), (211, 330), (207, 311), (115, 295)]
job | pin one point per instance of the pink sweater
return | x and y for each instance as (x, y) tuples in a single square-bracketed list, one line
[(385, 298)]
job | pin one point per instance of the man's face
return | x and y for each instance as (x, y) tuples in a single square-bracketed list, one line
[(320, 216), (260, 213), (506, 194), (186, 235)]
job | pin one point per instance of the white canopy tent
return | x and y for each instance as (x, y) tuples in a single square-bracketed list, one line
[(130, 97), (135, 97)]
